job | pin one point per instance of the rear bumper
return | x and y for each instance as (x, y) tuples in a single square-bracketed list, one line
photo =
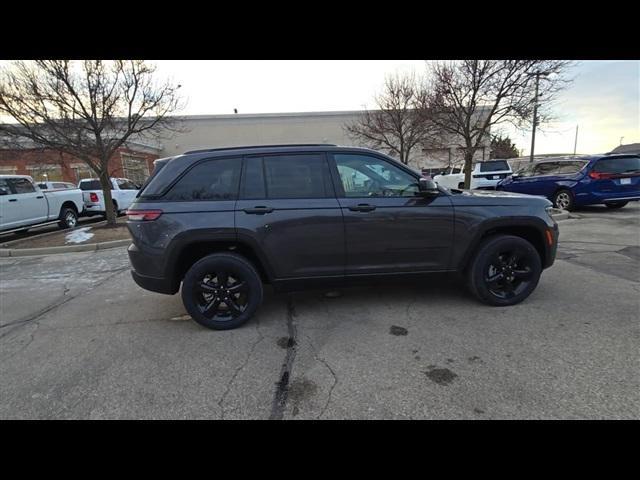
[(141, 263), (484, 184), (602, 197), (159, 285), (93, 208)]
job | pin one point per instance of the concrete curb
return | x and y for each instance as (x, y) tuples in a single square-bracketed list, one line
[(25, 252)]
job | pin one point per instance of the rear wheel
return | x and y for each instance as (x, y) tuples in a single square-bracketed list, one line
[(68, 218), (615, 204), (505, 271), (563, 199), (461, 186), (222, 291)]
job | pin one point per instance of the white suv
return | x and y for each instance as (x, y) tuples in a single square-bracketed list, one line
[(485, 175)]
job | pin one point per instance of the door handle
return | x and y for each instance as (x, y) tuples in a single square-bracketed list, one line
[(258, 210), (362, 207), (13, 199), (40, 196)]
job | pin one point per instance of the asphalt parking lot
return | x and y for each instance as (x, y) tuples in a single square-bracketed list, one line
[(78, 339)]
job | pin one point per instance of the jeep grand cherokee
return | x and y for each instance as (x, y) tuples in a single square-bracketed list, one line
[(223, 222)]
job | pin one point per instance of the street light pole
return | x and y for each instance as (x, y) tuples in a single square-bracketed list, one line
[(535, 118), (575, 144)]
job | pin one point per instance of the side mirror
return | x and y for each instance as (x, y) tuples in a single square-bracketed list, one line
[(3, 191), (428, 187)]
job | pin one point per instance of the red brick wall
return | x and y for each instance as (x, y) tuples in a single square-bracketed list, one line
[(22, 159)]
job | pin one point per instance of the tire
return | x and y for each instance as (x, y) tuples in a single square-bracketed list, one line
[(500, 258), (461, 186), (68, 218), (563, 199), (204, 288), (613, 205)]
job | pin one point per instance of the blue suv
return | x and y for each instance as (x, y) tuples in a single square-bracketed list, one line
[(613, 180)]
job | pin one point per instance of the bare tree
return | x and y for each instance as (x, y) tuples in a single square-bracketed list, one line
[(87, 109), (396, 125), (464, 99)]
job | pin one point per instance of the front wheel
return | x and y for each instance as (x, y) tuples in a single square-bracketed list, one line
[(615, 204), (505, 271), (222, 291), (68, 218)]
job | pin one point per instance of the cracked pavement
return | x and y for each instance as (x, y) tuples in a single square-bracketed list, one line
[(78, 339)]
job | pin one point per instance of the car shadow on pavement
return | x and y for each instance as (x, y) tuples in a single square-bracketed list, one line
[(440, 288)]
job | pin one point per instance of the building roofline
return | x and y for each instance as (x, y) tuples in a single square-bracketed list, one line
[(327, 113)]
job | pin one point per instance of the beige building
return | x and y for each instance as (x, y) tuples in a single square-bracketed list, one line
[(211, 131)]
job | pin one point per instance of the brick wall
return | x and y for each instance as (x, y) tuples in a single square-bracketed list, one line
[(60, 166)]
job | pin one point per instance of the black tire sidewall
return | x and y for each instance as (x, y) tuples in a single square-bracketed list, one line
[(564, 190), (486, 249), (63, 217), (229, 262)]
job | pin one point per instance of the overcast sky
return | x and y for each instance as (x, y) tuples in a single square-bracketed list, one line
[(604, 99)]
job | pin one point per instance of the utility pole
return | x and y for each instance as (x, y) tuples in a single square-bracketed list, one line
[(621, 140), (535, 118), (575, 144)]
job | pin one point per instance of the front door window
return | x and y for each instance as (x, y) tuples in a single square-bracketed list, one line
[(368, 176)]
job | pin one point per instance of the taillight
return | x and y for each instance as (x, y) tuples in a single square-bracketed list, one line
[(599, 175), (93, 197), (143, 215)]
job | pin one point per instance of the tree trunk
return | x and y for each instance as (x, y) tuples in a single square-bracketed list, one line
[(468, 166), (105, 182)]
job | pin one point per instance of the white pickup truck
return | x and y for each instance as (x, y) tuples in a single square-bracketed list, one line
[(123, 193), (23, 204), (485, 175)]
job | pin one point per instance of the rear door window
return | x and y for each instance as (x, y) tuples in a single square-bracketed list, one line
[(618, 165), (297, 176), (22, 185), (570, 167), (210, 180), (547, 168)]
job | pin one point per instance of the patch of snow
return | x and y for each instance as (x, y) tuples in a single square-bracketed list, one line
[(78, 236)]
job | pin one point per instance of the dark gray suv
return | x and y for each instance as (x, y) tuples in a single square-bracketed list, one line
[(223, 222)]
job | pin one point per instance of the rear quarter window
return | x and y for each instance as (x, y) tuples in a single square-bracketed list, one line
[(210, 180)]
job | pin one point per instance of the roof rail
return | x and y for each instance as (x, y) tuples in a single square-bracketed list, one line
[(262, 146)]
